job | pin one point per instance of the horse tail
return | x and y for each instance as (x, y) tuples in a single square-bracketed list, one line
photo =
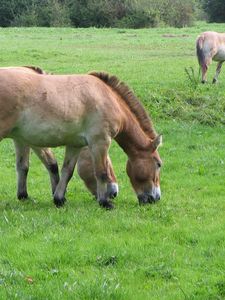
[(200, 52)]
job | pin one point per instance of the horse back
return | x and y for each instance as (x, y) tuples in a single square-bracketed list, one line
[(67, 103)]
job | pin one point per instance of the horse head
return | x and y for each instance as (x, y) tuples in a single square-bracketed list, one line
[(144, 173)]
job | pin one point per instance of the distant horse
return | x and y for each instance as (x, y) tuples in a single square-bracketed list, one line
[(84, 163), (210, 46), (77, 111)]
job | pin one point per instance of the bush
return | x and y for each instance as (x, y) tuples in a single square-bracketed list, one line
[(138, 19), (215, 10), (178, 13), (42, 13), (98, 13)]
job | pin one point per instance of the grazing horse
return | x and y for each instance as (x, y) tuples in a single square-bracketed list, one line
[(210, 46), (84, 163), (77, 111)]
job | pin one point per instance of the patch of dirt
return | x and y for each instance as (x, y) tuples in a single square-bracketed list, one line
[(175, 35)]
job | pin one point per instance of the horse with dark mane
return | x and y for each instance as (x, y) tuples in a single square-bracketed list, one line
[(75, 111), (210, 46)]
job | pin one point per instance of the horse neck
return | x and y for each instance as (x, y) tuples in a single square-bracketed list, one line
[(132, 138)]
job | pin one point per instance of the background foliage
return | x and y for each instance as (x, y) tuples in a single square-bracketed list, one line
[(109, 13), (215, 10)]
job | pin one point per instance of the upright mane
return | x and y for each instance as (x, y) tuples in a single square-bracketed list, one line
[(36, 69), (130, 99)]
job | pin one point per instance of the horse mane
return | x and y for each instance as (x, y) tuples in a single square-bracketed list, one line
[(130, 99), (36, 69)]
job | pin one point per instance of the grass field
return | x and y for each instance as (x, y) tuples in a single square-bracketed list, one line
[(174, 249)]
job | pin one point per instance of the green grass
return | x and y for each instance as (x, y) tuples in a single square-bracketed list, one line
[(172, 250)]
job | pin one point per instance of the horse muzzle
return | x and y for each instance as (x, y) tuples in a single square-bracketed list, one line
[(150, 197), (112, 190)]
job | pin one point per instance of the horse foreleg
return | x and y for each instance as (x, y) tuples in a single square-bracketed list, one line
[(99, 155), (47, 158), (66, 174), (22, 168), (218, 69)]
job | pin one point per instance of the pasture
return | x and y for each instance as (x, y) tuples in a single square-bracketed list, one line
[(171, 250)]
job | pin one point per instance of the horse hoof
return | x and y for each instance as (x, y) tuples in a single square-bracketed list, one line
[(22, 196), (106, 204), (214, 81), (59, 202)]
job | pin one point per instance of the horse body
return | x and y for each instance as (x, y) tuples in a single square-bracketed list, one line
[(23, 128), (77, 111), (210, 46), (44, 112)]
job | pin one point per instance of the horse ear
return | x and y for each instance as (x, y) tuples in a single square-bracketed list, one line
[(156, 143)]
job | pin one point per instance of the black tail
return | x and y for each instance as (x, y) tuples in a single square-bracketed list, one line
[(199, 50)]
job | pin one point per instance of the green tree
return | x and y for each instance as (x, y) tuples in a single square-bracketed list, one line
[(98, 13), (178, 13), (10, 9), (44, 13), (215, 10)]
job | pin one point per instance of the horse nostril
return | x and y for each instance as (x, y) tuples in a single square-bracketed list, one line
[(112, 190), (157, 197), (114, 195), (153, 199)]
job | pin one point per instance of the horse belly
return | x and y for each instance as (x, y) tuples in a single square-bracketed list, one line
[(48, 133), (220, 55)]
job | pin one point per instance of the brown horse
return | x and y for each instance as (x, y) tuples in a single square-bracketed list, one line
[(77, 111), (210, 46), (84, 163)]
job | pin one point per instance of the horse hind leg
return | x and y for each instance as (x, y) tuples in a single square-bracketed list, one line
[(204, 67), (218, 69), (69, 163), (47, 158), (22, 168), (204, 71)]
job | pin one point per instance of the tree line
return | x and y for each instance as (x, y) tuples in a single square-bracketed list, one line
[(109, 13)]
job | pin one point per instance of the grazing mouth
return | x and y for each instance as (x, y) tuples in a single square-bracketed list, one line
[(146, 198)]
